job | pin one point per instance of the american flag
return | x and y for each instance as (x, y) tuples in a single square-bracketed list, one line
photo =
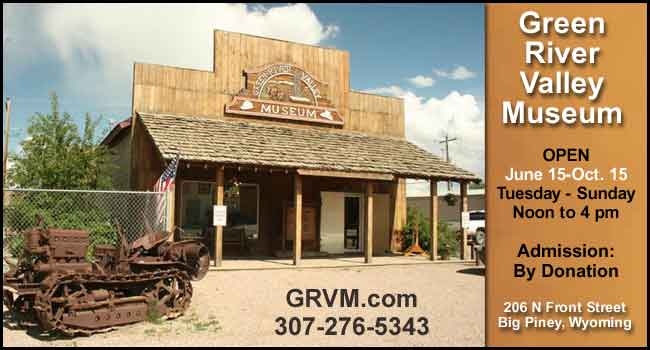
[(167, 178), (164, 181)]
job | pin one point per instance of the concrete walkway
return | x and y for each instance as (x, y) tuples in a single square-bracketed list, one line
[(262, 263)]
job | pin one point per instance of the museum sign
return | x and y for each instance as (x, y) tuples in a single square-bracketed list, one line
[(284, 91)]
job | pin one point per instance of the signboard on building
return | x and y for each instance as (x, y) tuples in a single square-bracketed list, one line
[(220, 215), (284, 91)]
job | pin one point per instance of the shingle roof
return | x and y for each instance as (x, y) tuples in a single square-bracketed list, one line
[(117, 130), (265, 144)]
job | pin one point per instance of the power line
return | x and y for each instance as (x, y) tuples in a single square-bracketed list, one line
[(447, 159), (446, 142)]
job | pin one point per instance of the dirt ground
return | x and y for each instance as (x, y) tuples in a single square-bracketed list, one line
[(231, 308)]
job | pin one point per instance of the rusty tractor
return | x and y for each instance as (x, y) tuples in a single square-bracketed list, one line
[(53, 284)]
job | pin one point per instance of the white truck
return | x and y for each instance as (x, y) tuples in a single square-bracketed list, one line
[(476, 221), (476, 233)]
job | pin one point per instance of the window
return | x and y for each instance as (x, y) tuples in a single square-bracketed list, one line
[(477, 215), (196, 206), (243, 211), (242, 200)]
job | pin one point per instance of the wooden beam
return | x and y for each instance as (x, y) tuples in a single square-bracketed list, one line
[(284, 228), (464, 206), (369, 218), (433, 216), (171, 209), (132, 153), (392, 232), (218, 239), (398, 214), (346, 175), (297, 237)]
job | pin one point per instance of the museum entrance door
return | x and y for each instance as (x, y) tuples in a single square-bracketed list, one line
[(353, 222)]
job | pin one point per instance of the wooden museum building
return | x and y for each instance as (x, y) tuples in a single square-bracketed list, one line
[(304, 165)]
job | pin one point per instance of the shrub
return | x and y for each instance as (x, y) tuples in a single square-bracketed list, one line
[(15, 244), (153, 313), (56, 211), (448, 241)]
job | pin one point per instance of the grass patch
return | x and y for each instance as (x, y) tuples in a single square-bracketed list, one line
[(153, 313), (194, 323), (190, 323), (206, 326), (153, 332)]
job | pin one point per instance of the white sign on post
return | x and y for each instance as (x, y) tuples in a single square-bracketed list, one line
[(465, 220), (220, 215)]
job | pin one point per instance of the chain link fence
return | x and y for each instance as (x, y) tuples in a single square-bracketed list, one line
[(99, 212)]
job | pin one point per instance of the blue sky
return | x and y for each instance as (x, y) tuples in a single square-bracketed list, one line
[(390, 42), (85, 54)]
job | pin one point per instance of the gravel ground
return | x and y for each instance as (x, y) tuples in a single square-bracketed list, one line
[(240, 308)]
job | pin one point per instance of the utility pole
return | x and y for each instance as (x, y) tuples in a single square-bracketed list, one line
[(446, 142), (5, 148)]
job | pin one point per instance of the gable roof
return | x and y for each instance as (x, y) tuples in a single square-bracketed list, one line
[(116, 131), (264, 144)]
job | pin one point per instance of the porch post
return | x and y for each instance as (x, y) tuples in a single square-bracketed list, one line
[(433, 216), (369, 218), (218, 239), (297, 237), (399, 214), (171, 209), (464, 206)]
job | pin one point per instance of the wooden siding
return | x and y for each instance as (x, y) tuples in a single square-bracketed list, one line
[(121, 161), (163, 89), (236, 52), (146, 163), (374, 114)]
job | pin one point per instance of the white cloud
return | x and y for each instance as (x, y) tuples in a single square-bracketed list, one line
[(421, 81), (97, 44), (458, 73), (429, 119)]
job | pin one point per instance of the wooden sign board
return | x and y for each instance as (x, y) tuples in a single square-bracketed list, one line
[(284, 91)]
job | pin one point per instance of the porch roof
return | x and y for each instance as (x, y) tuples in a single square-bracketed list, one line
[(264, 144)]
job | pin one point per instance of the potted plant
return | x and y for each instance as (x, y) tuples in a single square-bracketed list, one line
[(415, 220), (450, 199), (448, 243)]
